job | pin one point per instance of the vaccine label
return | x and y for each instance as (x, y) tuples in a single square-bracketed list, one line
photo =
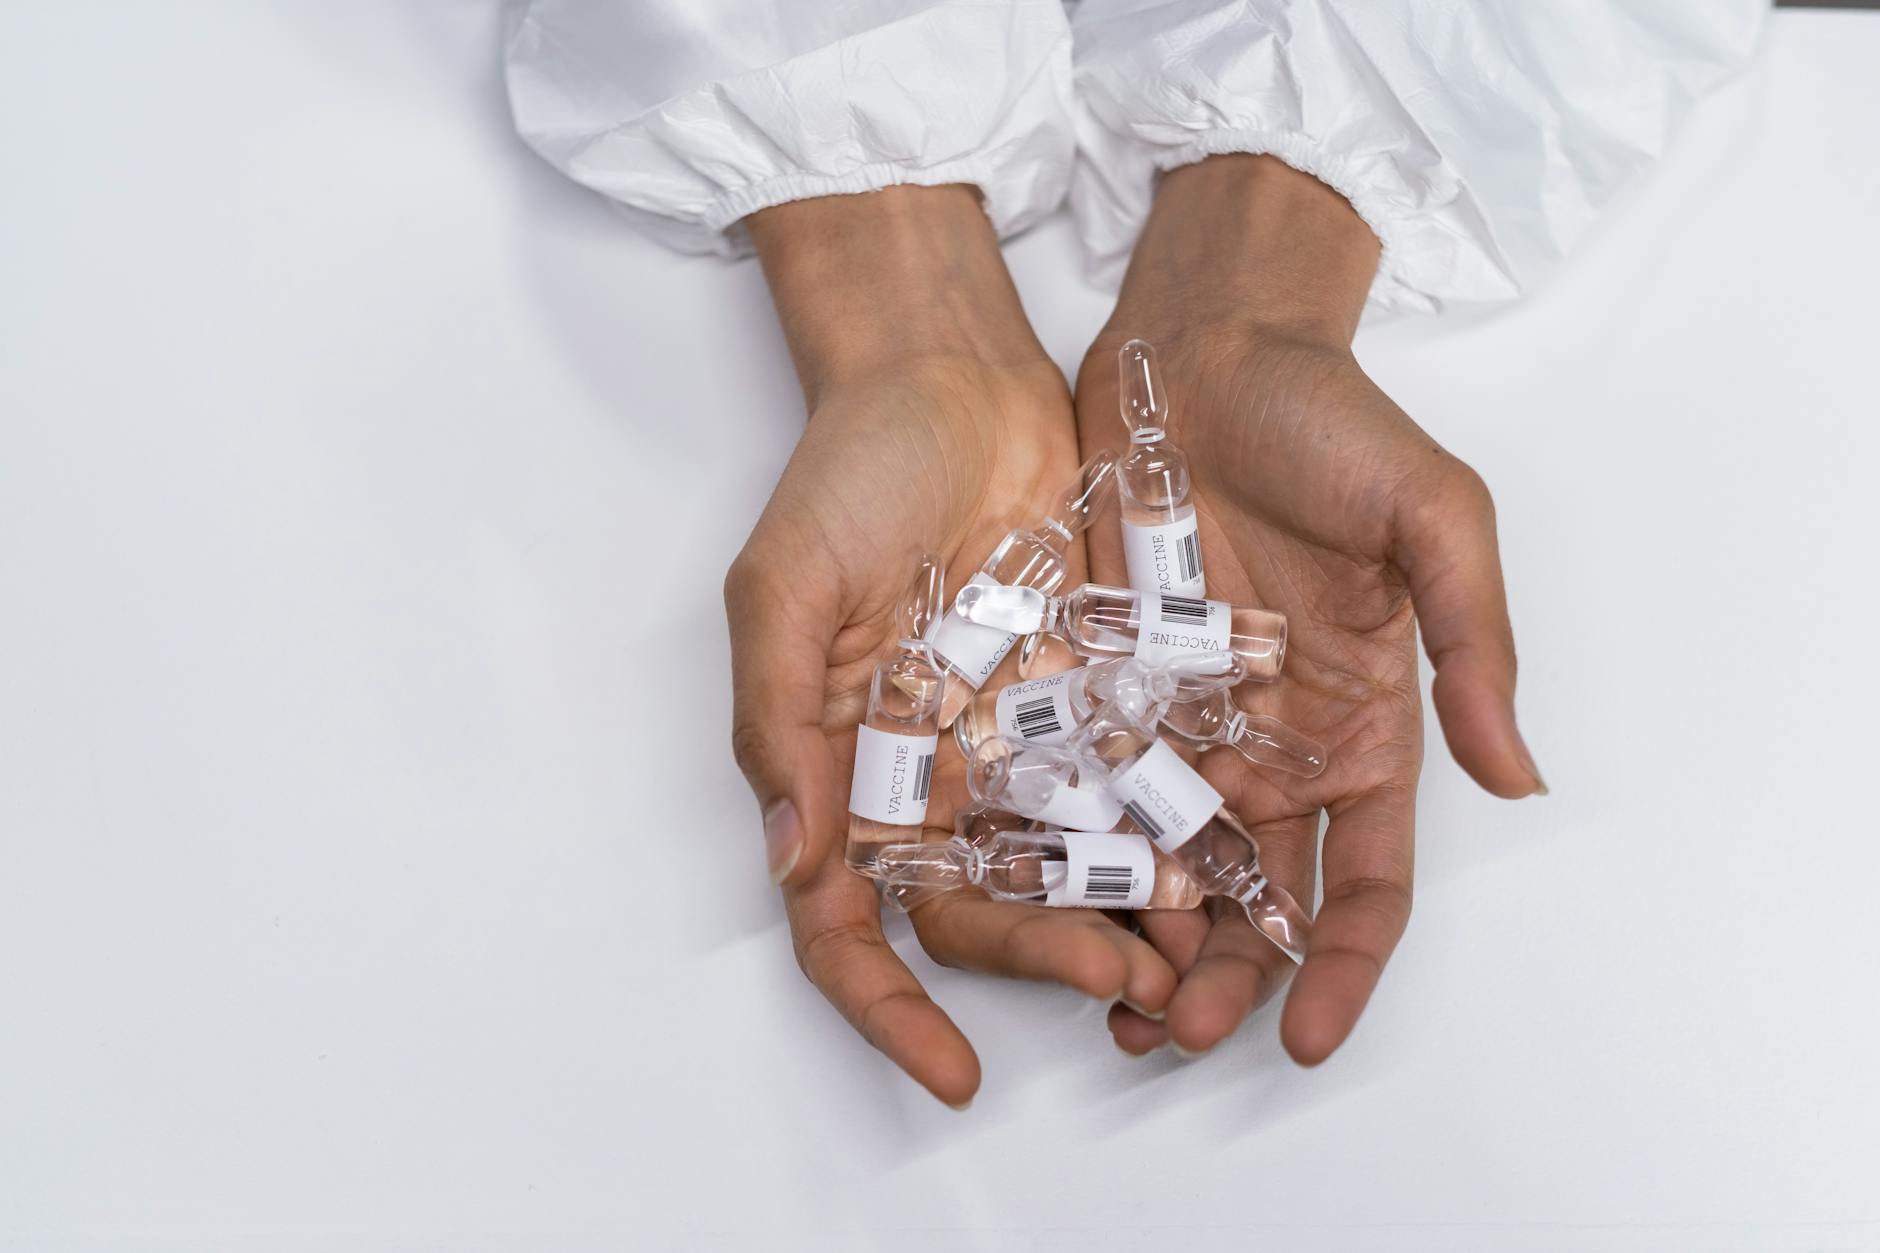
[(974, 650), (1165, 557), (1080, 809), (892, 775), (1172, 626), (1105, 870), (1039, 711), (1165, 796)]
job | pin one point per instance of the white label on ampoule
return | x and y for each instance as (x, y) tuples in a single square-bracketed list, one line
[(1165, 796), (1173, 626), (892, 776), (1166, 556), (1105, 870), (974, 650), (1038, 711), (1080, 809)]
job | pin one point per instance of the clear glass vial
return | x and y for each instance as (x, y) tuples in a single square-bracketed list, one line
[(896, 742), (1075, 869), (1034, 558), (1161, 796), (1161, 534), (1213, 719), (1047, 710), (976, 826), (1102, 622)]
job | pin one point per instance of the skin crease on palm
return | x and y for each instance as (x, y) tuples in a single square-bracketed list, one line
[(1302, 471)]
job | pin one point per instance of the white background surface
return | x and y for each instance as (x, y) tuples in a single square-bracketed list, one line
[(373, 872)]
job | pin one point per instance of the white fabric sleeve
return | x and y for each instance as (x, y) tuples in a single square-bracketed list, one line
[(695, 113), (1478, 139)]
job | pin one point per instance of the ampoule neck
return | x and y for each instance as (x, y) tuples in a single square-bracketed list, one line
[(1056, 613), (974, 862), (1248, 886), (1113, 737)]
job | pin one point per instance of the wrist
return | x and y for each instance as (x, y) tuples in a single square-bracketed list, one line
[(885, 280), (1247, 243)]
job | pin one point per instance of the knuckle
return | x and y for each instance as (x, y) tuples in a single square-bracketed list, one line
[(740, 581), (1470, 493), (1385, 902), (750, 744), (825, 949)]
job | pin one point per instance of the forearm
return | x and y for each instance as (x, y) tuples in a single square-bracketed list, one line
[(871, 282), (1243, 242)]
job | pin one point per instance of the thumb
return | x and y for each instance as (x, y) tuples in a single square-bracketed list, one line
[(1446, 548), (782, 621)]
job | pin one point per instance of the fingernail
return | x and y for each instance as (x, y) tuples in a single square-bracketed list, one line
[(962, 1107), (1190, 1054), (783, 839), (1527, 763), (1129, 1004)]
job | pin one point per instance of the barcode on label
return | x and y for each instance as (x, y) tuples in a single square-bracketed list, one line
[(1184, 611), (1104, 883), (1037, 717), (923, 778), (1188, 558), (1140, 816)]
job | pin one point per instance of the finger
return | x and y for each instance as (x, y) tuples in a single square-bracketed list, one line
[(1134, 1033), (1238, 969), (1447, 550), (1078, 948), (1368, 862), (782, 624), (835, 924), (1177, 934)]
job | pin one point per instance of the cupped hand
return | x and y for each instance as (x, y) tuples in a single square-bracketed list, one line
[(936, 425), (1320, 498)]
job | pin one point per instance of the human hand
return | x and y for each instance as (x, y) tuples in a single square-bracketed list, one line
[(1320, 498), (937, 424)]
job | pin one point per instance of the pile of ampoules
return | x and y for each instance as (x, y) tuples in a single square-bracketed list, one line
[(1082, 798)]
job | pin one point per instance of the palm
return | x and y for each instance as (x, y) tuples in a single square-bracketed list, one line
[(1295, 459), (946, 462), (910, 466)]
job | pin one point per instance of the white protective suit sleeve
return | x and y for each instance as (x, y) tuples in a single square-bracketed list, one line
[(694, 113), (1478, 138)]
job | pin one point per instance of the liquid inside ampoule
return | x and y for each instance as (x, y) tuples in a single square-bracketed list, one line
[(895, 745), (894, 759), (1101, 622)]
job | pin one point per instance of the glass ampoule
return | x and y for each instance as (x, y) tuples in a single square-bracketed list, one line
[(1101, 622), (1073, 869), (1047, 710), (1046, 653), (1161, 796), (896, 742), (1035, 558), (976, 826), (1213, 719), (1161, 534)]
